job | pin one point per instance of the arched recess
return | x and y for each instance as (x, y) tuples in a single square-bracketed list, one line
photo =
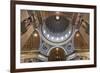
[(33, 42), (57, 54)]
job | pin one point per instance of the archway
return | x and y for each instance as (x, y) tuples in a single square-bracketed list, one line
[(57, 54)]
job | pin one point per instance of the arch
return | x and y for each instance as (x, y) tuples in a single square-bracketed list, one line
[(57, 54), (36, 39)]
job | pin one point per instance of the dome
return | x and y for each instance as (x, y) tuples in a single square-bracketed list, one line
[(56, 28), (56, 24)]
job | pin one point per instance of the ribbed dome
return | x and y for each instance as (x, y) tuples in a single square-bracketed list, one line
[(57, 24), (57, 28)]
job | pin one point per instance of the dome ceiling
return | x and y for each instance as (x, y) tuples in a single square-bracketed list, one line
[(57, 24), (57, 28)]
